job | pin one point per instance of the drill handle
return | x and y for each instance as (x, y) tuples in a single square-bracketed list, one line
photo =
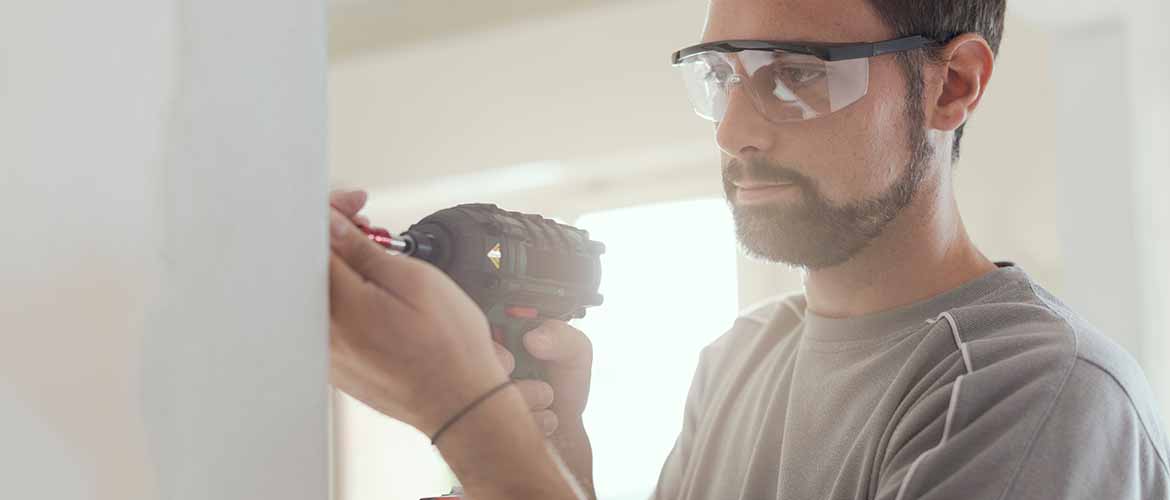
[(510, 332)]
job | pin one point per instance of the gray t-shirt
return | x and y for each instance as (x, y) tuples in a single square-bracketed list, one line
[(993, 390)]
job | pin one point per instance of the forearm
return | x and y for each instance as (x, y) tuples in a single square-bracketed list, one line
[(497, 453)]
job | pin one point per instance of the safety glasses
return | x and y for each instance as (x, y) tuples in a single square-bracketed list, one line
[(786, 81)]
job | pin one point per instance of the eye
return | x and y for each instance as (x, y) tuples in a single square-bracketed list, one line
[(718, 74), (798, 76)]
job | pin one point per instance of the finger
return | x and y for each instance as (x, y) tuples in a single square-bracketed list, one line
[(546, 420), (559, 342), (537, 393), (361, 219), (347, 290), (348, 202), (392, 274), (507, 360), (354, 301)]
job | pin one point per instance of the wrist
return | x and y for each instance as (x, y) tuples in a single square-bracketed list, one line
[(497, 451), (505, 413), (451, 393), (470, 407)]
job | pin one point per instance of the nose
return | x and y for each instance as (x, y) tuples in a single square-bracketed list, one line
[(743, 130)]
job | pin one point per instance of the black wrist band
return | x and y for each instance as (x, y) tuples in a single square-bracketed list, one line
[(467, 409)]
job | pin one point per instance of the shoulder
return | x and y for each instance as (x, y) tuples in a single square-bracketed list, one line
[(1025, 348), (1020, 321), (757, 328), (779, 314), (1017, 381)]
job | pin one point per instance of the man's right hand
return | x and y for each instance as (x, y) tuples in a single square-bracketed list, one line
[(558, 402), (567, 357)]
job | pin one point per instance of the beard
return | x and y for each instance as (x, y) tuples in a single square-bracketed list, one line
[(814, 233)]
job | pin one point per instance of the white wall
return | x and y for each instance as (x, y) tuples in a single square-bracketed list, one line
[(1146, 83), (162, 273), (1114, 163)]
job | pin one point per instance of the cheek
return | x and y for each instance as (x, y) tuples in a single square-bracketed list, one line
[(844, 152), (864, 150)]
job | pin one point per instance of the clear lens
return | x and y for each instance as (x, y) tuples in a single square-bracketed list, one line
[(706, 79), (784, 87)]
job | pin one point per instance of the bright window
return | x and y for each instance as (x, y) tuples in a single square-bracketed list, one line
[(669, 281)]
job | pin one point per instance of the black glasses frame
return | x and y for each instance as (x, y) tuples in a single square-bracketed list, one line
[(824, 51)]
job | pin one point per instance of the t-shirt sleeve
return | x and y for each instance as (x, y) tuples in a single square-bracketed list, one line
[(1033, 427), (673, 470)]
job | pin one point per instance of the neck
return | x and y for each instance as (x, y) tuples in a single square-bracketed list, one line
[(923, 252)]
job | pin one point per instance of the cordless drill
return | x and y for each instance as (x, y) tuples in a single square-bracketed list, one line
[(521, 269)]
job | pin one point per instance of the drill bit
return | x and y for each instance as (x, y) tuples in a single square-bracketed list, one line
[(400, 244)]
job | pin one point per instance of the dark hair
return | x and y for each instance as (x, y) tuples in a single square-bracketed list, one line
[(941, 20)]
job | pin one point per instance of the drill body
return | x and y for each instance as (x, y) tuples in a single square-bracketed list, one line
[(521, 269)]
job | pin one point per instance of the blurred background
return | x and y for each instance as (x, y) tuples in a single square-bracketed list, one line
[(569, 108)]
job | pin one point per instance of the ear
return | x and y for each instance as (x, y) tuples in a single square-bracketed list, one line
[(967, 66)]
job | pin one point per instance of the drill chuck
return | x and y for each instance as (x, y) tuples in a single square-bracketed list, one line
[(411, 245)]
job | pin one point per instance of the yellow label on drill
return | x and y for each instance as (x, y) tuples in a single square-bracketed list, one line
[(494, 254)]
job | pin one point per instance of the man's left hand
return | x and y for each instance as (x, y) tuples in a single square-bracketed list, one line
[(405, 339)]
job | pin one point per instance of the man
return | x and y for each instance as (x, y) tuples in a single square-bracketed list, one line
[(911, 366)]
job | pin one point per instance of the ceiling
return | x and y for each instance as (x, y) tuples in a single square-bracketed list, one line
[(359, 26)]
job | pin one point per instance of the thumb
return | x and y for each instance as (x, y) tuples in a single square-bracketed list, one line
[(559, 343), (568, 364)]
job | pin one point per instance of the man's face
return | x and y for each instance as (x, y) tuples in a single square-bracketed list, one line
[(849, 173)]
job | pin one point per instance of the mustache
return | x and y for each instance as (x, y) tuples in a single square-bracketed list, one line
[(762, 170)]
